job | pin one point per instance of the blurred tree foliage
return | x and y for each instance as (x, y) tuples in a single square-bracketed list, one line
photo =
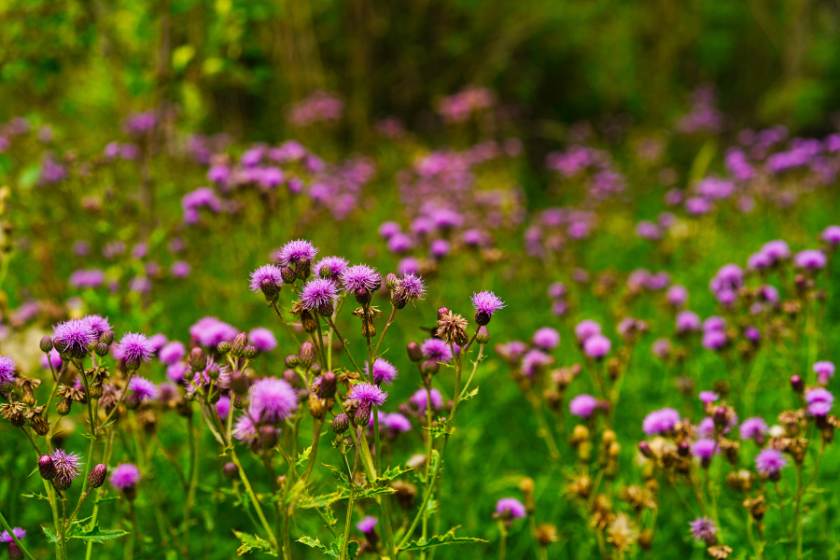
[(236, 65)]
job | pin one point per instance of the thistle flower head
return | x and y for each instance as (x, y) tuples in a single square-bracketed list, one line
[(597, 346), (143, 388), (383, 371), (810, 259), (5, 537), (510, 508), (171, 353), (770, 462), (245, 430), (7, 371), (266, 276), (334, 267), (367, 524), (452, 328), (824, 371), (125, 476), (67, 466), (210, 331), (411, 288), (583, 405), (687, 321), (546, 338), (709, 396), (262, 339), (703, 529), (704, 448), (223, 407), (487, 303), (396, 422), (317, 293), (135, 348), (421, 397), (660, 421), (586, 329), (296, 251), (367, 394), (436, 349), (361, 277), (74, 337), (819, 401), (272, 400), (753, 428), (98, 324)]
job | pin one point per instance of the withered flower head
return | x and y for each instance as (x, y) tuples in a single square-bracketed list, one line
[(719, 552), (621, 533), (453, 328)]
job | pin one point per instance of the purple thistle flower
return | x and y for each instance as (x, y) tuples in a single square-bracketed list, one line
[(770, 462), (704, 449), (408, 265), (777, 250), (383, 372), (125, 477), (687, 321), (660, 421), (703, 529), (709, 396), (661, 348), (210, 331), (267, 273), (367, 524), (262, 339), (396, 422), (295, 251), (272, 400), (5, 537), (318, 293), (135, 348), (336, 266), (831, 235), (172, 352), (75, 335), (714, 340), (586, 329), (7, 372), (389, 229), (487, 302), (597, 346), (52, 358), (754, 429), (714, 323), (245, 430), (180, 269), (420, 398), (176, 371), (67, 466), (157, 341), (368, 394), (677, 295), (546, 338), (810, 259), (510, 508), (534, 361), (411, 287), (98, 324), (399, 243), (824, 371), (436, 349), (819, 401), (583, 405), (223, 407), (361, 277), (143, 388)]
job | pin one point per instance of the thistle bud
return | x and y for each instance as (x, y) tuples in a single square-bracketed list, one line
[(308, 322), (239, 342), (213, 372), (268, 437), (415, 354), (362, 296), (46, 466), (482, 318), (340, 423), (483, 336), (327, 387), (60, 346), (291, 361), (38, 424), (197, 359), (683, 448), (303, 268), (326, 309), (796, 384), (429, 367), (720, 416), (325, 272), (249, 352), (644, 449), (63, 406), (107, 337), (46, 344), (223, 347), (288, 275), (96, 478), (291, 377), (306, 356), (239, 382), (230, 471), (442, 312), (362, 415), (101, 349), (398, 300), (269, 289), (391, 281), (61, 483)]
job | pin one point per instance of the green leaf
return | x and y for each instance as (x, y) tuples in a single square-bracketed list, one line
[(393, 473), (96, 534), (440, 540), (470, 395), (338, 473), (334, 551), (316, 544), (250, 543), (52, 537), (440, 431), (37, 496), (303, 457)]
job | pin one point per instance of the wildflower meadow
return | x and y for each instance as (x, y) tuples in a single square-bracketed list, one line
[(444, 280)]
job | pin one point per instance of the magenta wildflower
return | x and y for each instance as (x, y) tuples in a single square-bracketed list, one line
[(135, 348), (583, 405), (389, 229), (677, 295), (296, 251), (367, 524), (317, 294), (660, 421), (125, 477), (262, 339), (7, 372), (810, 259), (210, 331), (74, 336), (176, 371), (245, 430), (396, 422), (411, 288), (831, 235), (714, 323), (824, 371), (333, 267), (180, 269), (770, 462), (383, 372), (510, 508), (709, 396), (546, 338), (266, 276), (661, 348), (704, 449), (172, 352), (361, 277), (143, 388), (754, 429), (819, 401), (367, 394), (67, 467), (703, 529), (586, 329), (421, 397), (5, 537), (436, 349), (687, 321), (597, 346), (272, 400), (52, 358), (223, 407), (714, 340), (534, 361), (485, 305)]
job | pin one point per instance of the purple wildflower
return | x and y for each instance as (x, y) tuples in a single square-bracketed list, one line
[(510, 508), (367, 524), (677, 295), (534, 361), (704, 449), (714, 340), (262, 339), (210, 331), (810, 259), (383, 372), (272, 400), (223, 407), (660, 421), (831, 235), (361, 277), (436, 349), (583, 405), (824, 371), (268, 274), (172, 352), (420, 397), (709, 396), (176, 371), (5, 537), (135, 348), (396, 422), (703, 529), (586, 329), (546, 338), (661, 348), (754, 429), (597, 346), (245, 430), (819, 401), (125, 477), (770, 462), (389, 229), (336, 266), (687, 321), (318, 293), (487, 302), (7, 372), (411, 287), (143, 388), (67, 466), (75, 336), (296, 251), (52, 358), (368, 394), (180, 269)]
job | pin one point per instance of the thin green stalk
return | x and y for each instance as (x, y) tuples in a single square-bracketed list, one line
[(346, 346), (385, 330), (254, 499), (193, 443), (286, 324)]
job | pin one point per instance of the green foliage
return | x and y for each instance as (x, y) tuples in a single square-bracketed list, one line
[(440, 540)]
